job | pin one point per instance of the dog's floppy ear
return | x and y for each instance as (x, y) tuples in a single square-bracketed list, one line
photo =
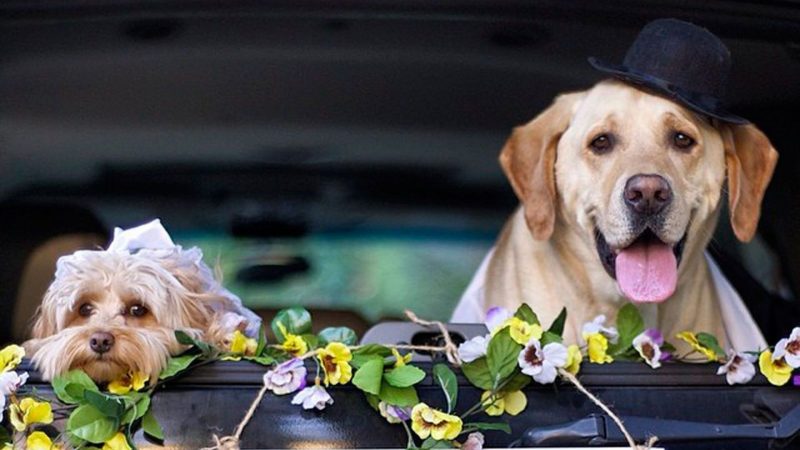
[(45, 320), (528, 160), (750, 160)]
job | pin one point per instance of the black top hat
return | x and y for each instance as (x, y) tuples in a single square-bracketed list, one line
[(680, 60)]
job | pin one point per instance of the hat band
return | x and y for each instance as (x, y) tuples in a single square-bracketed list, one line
[(705, 101)]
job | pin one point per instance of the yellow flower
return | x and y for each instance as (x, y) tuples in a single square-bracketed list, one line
[(521, 332), (777, 372), (512, 403), (243, 345), (691, 339), (39, 441), (400, 360), (28, 412), (10, 357), (335, 358), (574, 359), (426, 421), (598, 346), (130, 381), (118, 442), (292, 343)]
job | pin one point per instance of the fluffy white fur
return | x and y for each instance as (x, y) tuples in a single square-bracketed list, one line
[(174, 295)]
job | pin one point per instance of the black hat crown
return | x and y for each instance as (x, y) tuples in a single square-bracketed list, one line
[(680, 60)]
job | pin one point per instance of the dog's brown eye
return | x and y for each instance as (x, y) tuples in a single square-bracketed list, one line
[(602, 143), (137, 311), (682, 141), (85, 310)]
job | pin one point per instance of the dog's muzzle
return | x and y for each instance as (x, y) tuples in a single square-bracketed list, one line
[(646, 269)]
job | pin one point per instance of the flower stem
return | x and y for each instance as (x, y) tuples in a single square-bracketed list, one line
[(411, 443)]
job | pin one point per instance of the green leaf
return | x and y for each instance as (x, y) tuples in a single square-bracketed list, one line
[(398, 396), (557, 327), (501, 356), (404, 376), (710, 341), (264, 360), (525, 313), (262, 339), (177, 365), (106, 404), (517, 382), (186, 339), (311, 340), (629, 325), (337, 334), (367, 352), (373, 400), (368, 377), (296, 320), (151, 426), (89, 423), (137, 408), (77, 381), (548, 337), (433, 443), (447, 380), (5, 436), (477, 372), (488, 426)]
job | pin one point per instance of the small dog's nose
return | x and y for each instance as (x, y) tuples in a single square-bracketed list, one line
[(647, 194), (101, 342)]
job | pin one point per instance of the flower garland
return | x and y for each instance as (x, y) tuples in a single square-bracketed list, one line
[(516, 351)]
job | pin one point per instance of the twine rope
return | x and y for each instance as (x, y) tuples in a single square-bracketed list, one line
[(632, 443), (450, 348), (451, 352)]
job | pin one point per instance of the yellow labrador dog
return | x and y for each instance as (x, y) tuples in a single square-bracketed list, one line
[(620, 192)]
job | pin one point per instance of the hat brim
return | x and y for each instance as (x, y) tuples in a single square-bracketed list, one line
[(655, 84)]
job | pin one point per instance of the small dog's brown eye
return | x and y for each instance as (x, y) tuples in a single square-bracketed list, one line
[(137, 311), (602, 144), (682, 141), (85, 310)]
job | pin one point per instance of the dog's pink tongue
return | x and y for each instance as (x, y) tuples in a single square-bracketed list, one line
[(647, 271)]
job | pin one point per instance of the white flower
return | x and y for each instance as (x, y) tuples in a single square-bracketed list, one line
[(11, 381), (313, 397), (789, 349), (541, 363), (2, 405), (648, 344), (597, 325), (739, 369), (474, 348), (496, 316)]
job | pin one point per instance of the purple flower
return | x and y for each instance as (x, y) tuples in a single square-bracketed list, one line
[(394, 414), (313, 397), (739, 368), (648, 344), (287, 377), (497, 316), (796, 380)]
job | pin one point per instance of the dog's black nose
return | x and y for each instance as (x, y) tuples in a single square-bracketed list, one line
[(647, 194), (101, 342)]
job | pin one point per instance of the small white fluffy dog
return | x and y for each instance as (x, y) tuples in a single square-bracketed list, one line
[(115, 311)]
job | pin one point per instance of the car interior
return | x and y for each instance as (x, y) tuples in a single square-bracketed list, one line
[(341, 157)]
